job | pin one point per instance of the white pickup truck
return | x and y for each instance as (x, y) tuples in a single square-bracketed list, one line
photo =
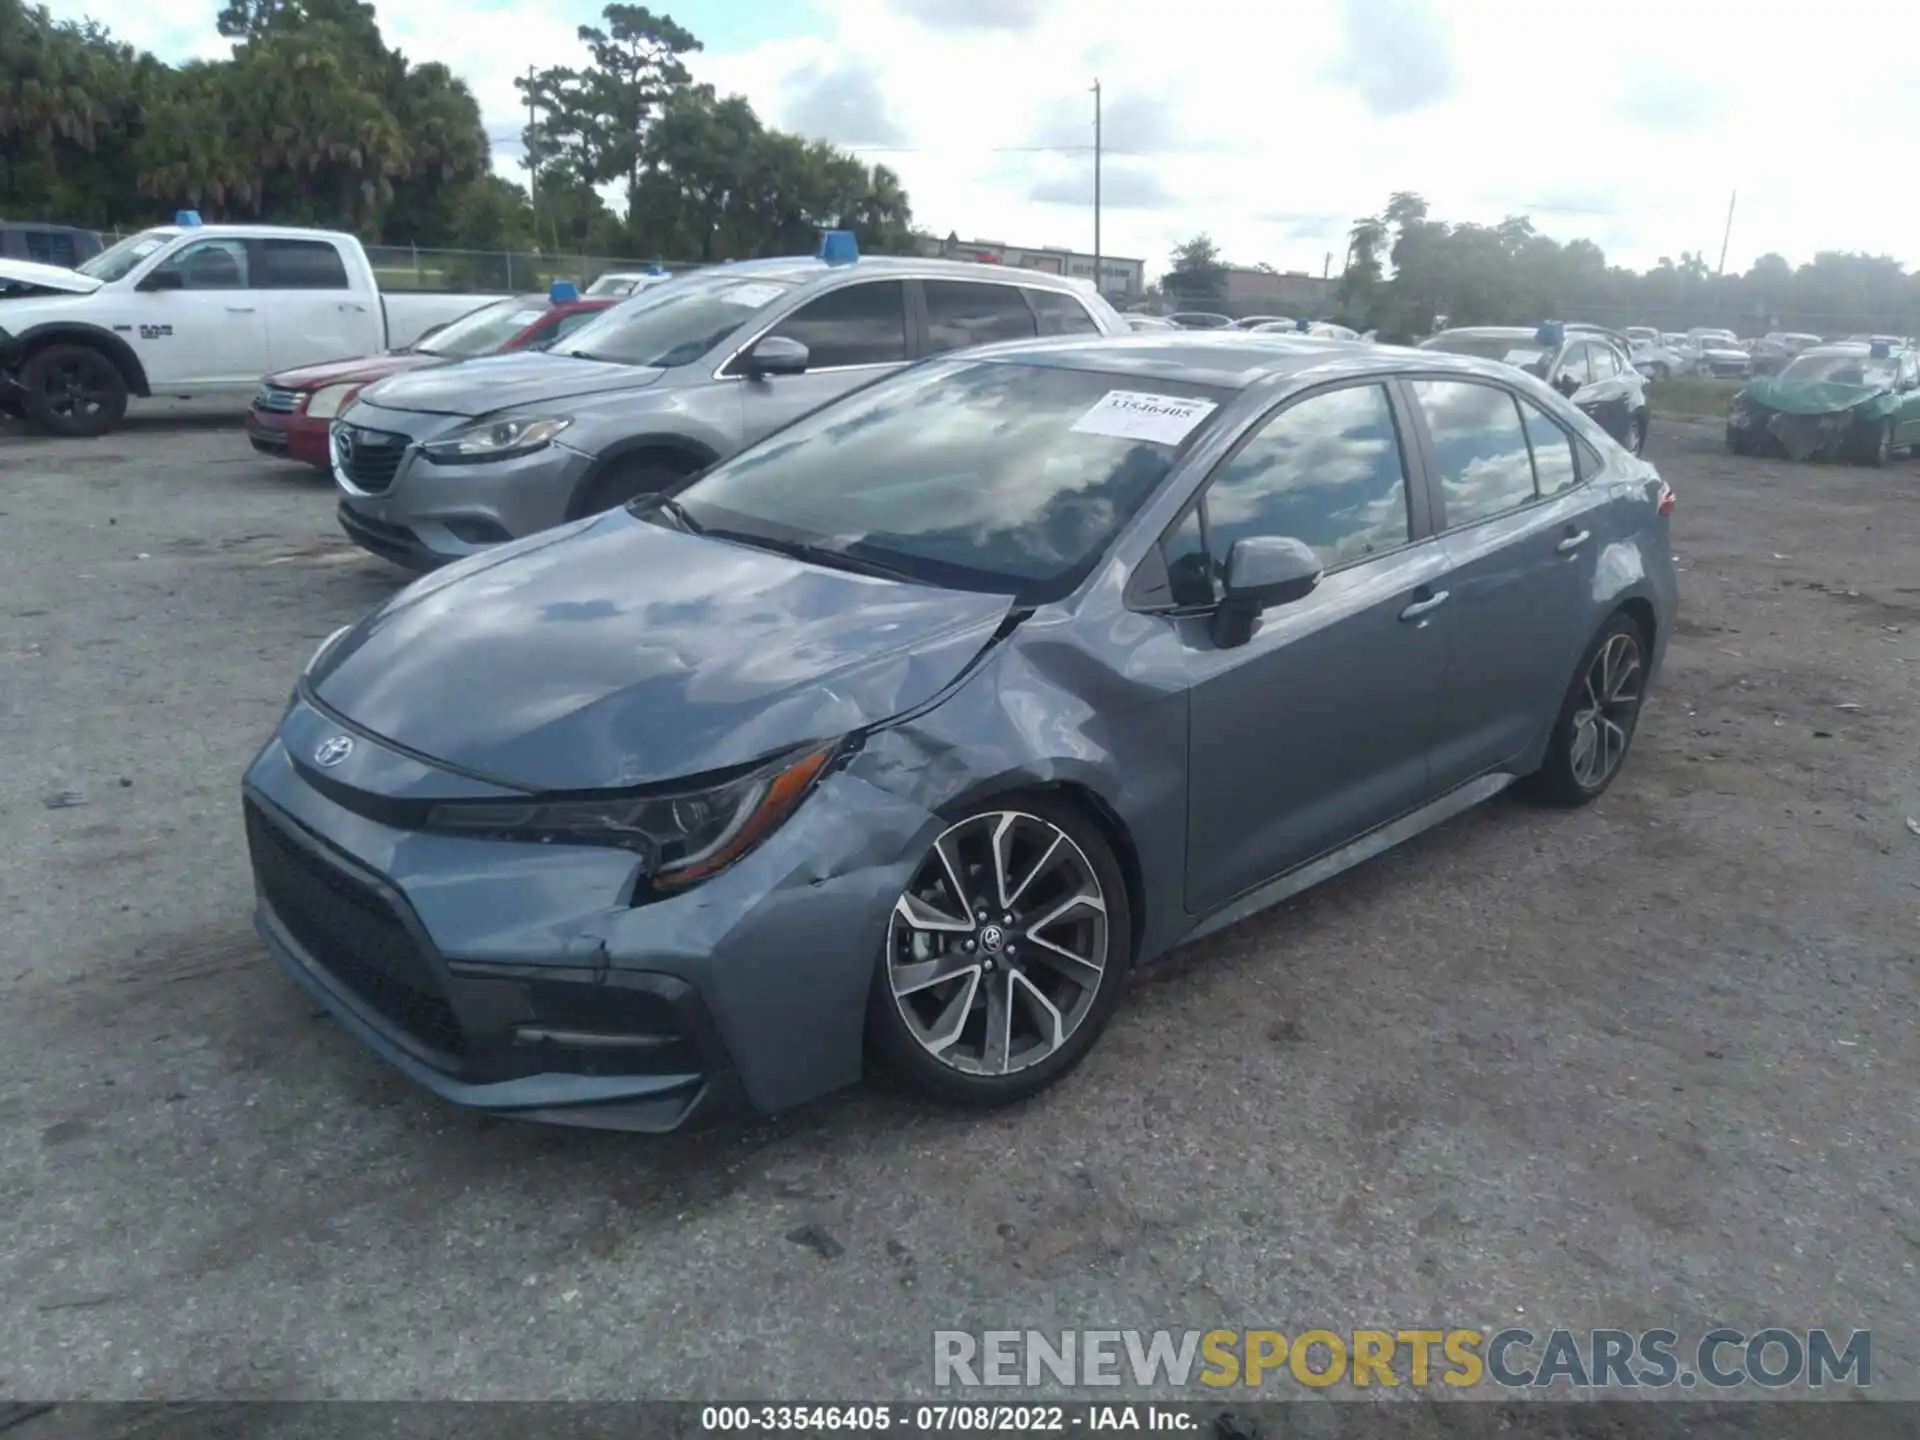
[(194, 310)]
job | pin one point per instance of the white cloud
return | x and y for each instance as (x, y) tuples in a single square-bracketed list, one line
[(1272, 127)]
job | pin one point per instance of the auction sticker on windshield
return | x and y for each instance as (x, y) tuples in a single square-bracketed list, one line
[(525, 317), (1136, 415), (754, 296)]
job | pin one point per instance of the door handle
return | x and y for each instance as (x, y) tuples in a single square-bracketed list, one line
[(240, 309), (1573, 542), (1421, 607), (356, 309)]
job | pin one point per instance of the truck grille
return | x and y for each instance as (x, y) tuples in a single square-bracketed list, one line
[(369, 458), (278, 400), (351, 931)]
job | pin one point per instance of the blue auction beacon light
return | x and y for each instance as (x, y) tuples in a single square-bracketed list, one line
[(839, 247), (189, 218), (564, 292), (1551, 334), (1880, 350), (1302, 326), (656, 269)]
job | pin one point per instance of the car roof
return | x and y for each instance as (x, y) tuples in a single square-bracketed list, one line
[(803, 268), (1225, 360)]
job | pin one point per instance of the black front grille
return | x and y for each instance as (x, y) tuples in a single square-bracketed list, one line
[(351, 931), (369, 458), (278, 399)]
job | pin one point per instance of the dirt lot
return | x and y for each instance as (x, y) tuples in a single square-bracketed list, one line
[(1649, 1064)]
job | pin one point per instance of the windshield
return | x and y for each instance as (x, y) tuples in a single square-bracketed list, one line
[(1005, 478), (1841, 370), (485, 331), (119, 259), (1521, 350), (675, 324)]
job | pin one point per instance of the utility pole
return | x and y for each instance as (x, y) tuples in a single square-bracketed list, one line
[(533, 171), (1326, 266), (1727, 234), (1098, 287)]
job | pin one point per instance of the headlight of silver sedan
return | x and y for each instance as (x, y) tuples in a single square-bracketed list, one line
[(500, 438)]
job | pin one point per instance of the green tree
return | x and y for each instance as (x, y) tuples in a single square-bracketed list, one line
[(1196, 273)]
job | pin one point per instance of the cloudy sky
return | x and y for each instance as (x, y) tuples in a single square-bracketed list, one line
[(1271, 125)]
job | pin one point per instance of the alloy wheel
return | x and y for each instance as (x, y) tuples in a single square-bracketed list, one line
[(77, 388), (1603, 723), (997, 949)]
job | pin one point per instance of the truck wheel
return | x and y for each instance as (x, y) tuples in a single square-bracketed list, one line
[(73, 391), (624, 482)]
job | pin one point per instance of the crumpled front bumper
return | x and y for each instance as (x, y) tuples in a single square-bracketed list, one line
[(1798, 437), (523, 981)]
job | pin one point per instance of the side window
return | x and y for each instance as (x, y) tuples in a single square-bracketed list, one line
[(1061, 314), (1574, 363), (1326, 470), (1555, 466), (51, 247), (962, 313), (301, 265), (1909, 369), (1479, 448), (211, 265), (1191, 573), (1604, 362), (856, 325)]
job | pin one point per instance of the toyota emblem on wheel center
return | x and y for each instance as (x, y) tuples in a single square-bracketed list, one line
[(332, 751)]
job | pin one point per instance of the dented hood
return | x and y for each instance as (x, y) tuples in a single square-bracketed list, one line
[(46, 277), (1813, 397), (494, 383), (615, 652)]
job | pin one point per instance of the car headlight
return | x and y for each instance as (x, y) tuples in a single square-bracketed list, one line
[(495, 439), (326, 403), (681, 836)]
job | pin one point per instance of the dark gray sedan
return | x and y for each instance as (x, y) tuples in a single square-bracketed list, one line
[(906, 733)]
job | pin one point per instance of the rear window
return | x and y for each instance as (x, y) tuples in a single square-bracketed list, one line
[(300, 265)]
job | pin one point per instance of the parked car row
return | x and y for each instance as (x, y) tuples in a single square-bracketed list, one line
[(851, 662), (1584, 363)]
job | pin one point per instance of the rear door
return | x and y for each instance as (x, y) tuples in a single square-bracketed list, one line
[(210, 330), (1613, 394), (313, 313), (853, 334), (1316, 730), (1522, 530), (959, 314)]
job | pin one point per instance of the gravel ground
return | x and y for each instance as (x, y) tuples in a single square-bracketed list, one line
[(1650, 1063)]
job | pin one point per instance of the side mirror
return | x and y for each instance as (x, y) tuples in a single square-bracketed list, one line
[(1262, 571), (775, 355), (163, 279), (1566, 384)]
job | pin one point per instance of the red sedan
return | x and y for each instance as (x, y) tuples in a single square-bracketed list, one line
[(294, 409)]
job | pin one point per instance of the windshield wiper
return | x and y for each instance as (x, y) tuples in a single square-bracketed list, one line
[(593, 355), (673, 507), (826, 555)]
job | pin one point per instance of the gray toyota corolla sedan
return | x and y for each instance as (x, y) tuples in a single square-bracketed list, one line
[(906, 733)]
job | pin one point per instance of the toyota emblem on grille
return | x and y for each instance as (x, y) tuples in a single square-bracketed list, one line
[(332, 751)]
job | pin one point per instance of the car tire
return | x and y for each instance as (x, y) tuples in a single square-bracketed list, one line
[(1738, 444), (933, 999), (1880, 452), (1602, 707), (622, 482), (1662, 372), (73, 391)]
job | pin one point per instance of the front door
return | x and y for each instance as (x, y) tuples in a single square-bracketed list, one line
[(854, 334), (1523, 534), (1906, 429), (1316, 730), (211, 329)]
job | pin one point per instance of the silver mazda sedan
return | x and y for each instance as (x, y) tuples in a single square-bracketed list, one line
[(903, 735)]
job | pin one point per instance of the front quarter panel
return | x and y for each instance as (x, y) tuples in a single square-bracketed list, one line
[(701, 415)]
